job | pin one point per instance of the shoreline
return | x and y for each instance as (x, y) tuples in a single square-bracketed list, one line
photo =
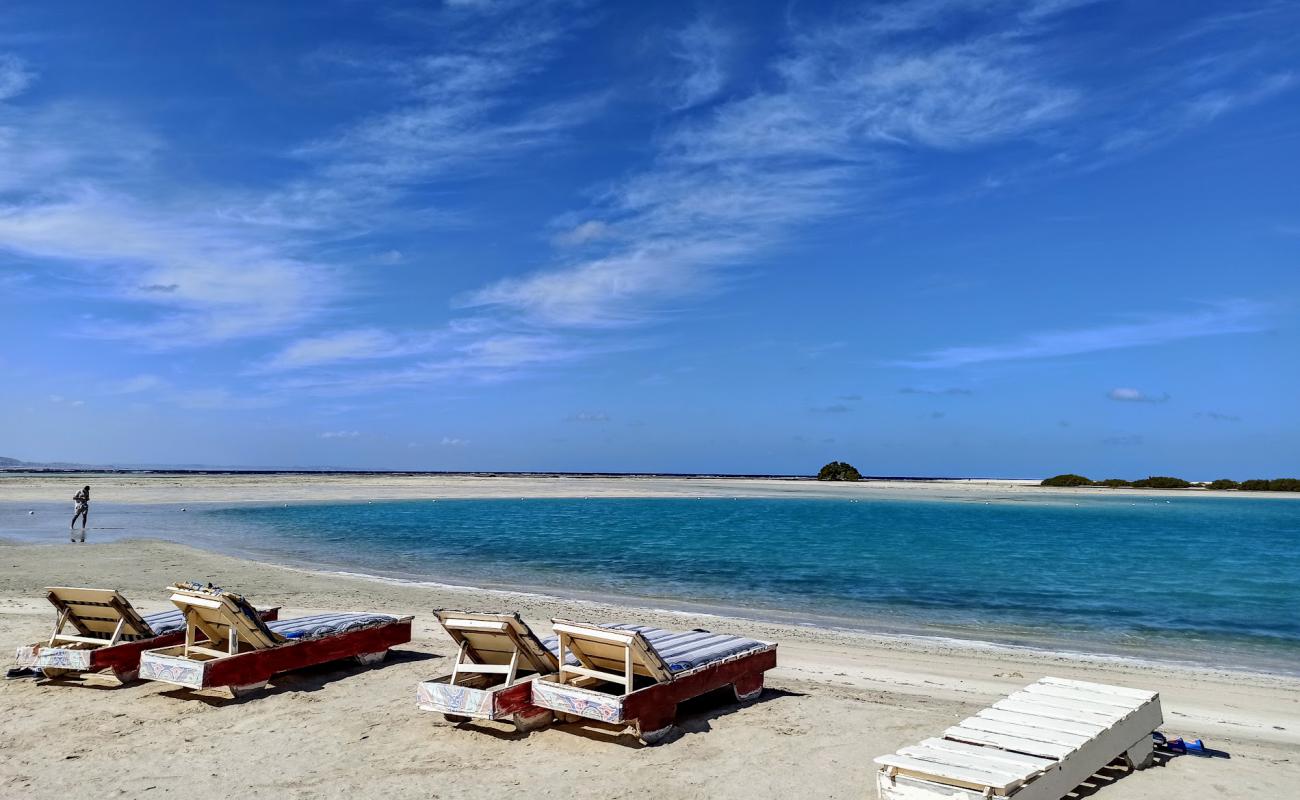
[(836, 700), (200, 493), (734, 617), (237, 488)]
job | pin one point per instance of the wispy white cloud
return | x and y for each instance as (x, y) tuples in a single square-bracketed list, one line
[(15, 76), (451, 441), (1126, 394), (729, 184), (588, 416), (1218, 416), (701, 51), (833, 408), (950, 391), (361, 344), (340, 434), (219, 264), (1234, 318)]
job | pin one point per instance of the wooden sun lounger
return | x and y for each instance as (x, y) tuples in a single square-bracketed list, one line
[(620, 678), (1038, 744), (226, 646), (492, 678), (98, 630)]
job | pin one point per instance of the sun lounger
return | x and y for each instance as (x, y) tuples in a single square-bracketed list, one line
[(98, 630), (492, 678), (225, 644), (636, 675), (1038, 744)]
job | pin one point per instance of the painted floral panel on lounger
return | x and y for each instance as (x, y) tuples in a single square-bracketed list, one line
[(172, 670), (463, 700), (63, 658), (566, 700)]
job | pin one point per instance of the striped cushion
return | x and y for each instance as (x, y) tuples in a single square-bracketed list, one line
[(681, 651), (166, 621), (319, 626)]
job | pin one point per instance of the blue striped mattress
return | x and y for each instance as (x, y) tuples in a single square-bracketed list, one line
[(319, 626), (680, 650), (165, 621)]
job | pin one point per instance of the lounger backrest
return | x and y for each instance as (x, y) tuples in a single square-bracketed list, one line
[(97, 614), (494, 639), (608, 654), (220, 615)]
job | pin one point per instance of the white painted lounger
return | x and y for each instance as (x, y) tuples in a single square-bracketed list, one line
[(226, 644), (108, 634), (636, 675), (492, 679), (1038, 744)]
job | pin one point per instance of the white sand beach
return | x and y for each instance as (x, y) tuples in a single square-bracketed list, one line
[(305, 487), (836, 700)]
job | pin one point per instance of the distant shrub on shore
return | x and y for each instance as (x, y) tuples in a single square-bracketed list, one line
[(839, 471), (1167, 482), (1068, 479), (1161, 482), (1275, 485)]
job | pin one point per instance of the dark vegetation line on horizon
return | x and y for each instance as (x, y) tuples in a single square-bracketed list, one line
[(1070, 479)]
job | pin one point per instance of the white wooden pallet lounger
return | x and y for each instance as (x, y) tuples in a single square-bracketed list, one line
[(492, 679), (1038, 744)]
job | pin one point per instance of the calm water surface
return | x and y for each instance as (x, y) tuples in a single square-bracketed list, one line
[(1209, 580)]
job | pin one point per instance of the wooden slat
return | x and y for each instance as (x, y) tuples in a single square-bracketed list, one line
[(1009, 774), (1105, 700), (1014, 743), (1111, 713), (1140, 695), (597, 633), (475, 624), (948, 773), (595, 673), (494, 669), (1025, 731), (68, 637), (496, 638), (1055, 711), (76, 594), (1065, 726), (1019, 760)]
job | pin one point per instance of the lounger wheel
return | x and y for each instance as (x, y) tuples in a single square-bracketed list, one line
[(655, 736), (532, 722), (369, 659), (748, 687), (244, 690), (126, 675), (455, 719)]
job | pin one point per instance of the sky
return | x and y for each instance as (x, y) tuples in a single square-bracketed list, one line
[(930, 237)]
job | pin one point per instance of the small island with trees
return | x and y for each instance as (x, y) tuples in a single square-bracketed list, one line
[(1070, 479), (839, 471)]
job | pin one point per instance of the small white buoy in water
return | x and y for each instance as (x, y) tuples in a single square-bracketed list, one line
[(184, 509), (31, 513)]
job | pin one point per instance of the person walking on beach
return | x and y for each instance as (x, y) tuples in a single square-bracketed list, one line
[(82, 500)]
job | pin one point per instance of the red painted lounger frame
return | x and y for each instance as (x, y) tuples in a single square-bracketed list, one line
[(270, 654), (652, 710), (122, 659), (251, 670)]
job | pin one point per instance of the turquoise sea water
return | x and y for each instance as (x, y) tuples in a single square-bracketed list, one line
[(1208, 580)]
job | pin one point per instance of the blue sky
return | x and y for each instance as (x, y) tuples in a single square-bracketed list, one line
[(933, 237)]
